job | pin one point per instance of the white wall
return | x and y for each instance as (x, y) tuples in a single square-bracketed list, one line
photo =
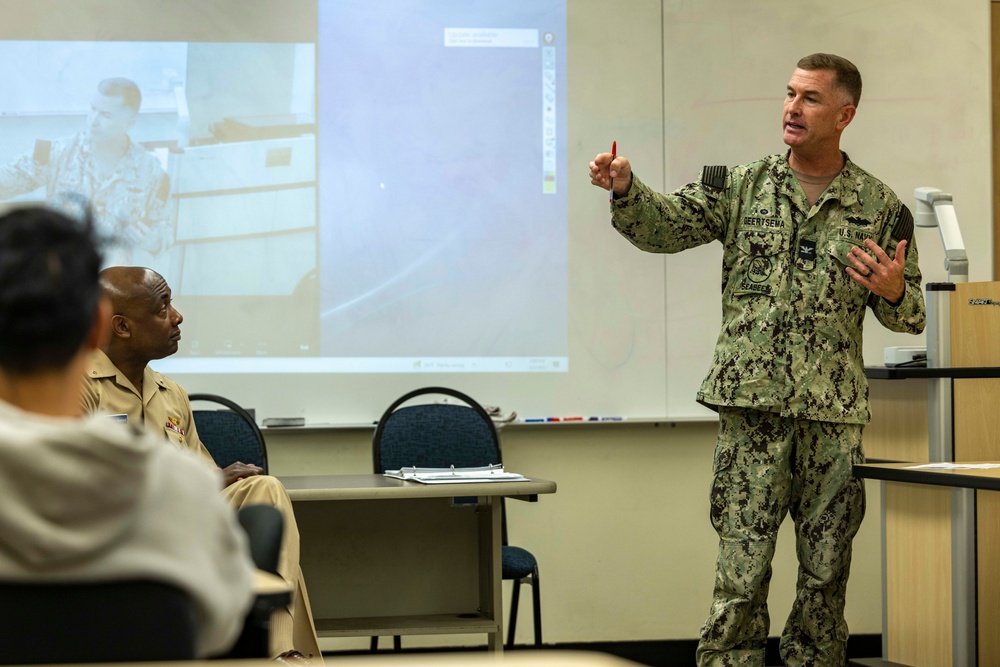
[(625, 546)]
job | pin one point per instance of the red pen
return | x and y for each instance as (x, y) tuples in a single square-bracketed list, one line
[(614, 152)]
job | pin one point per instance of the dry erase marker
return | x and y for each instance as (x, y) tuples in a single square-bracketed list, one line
[(612, 419), (534, 421), (552, 419), (614, 153), (572, 419)]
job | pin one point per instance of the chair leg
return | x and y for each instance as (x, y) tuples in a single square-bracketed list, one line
[(512, 625), (397, 644), (537, 599)]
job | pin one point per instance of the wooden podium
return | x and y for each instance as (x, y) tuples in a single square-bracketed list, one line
[(941, 555), (898, 429)]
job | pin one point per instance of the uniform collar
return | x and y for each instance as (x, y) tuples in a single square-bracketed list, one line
[(102, 367), (845, 187)]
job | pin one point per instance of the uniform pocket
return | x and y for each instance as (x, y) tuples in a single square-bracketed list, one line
[(174, 437), (756, 242), (723, 458), (842, 286), (719, 501), (840, 250), (760, 265)]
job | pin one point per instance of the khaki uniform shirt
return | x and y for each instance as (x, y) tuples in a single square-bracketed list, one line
[(792, 319), (163, 406)]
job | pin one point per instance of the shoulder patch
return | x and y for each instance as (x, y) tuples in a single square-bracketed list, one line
[(714, 177), (902, 229)]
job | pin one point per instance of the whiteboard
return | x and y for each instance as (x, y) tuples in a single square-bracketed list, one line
[(678, 84)]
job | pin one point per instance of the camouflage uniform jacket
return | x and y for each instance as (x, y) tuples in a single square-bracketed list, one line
[(137, 190), (791, 339)]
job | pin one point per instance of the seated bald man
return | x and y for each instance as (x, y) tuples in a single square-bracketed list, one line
[(146, 326)]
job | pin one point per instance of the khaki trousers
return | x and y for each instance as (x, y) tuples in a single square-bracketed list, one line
[(291, 627)]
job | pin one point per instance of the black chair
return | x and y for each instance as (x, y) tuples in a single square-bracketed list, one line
[(230, 434), (118, 621), (264, 526), (130, 620), (439, 435)]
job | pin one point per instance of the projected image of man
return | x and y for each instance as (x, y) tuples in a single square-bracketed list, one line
[(124, 184)]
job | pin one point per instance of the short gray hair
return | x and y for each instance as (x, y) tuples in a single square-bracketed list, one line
[(847, 77)]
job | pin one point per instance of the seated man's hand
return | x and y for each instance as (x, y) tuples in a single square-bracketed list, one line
[(237, 471)]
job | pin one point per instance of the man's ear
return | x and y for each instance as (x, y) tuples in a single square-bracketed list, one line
[(846, 116), (120, 327), (100, 330)]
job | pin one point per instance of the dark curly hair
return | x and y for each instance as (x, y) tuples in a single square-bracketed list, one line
[(49, 263)]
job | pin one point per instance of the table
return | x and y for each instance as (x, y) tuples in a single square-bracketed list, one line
[(963, 478), (386, 557), (939, 585), (546, 658), (932, 414)]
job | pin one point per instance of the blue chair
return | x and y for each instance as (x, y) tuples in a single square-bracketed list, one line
[(442, 434), (229, 433)]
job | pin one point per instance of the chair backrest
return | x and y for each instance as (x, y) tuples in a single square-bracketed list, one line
[(121, 621), (435, 435), (230, 434), (264, 526)]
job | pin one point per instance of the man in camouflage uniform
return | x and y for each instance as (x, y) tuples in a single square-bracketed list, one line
[(124, 185), (810, 240)]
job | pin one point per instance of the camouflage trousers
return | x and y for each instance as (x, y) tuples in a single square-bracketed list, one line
[(767, 466)]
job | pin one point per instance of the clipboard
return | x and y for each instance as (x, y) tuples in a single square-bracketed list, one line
[(453, 475)]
